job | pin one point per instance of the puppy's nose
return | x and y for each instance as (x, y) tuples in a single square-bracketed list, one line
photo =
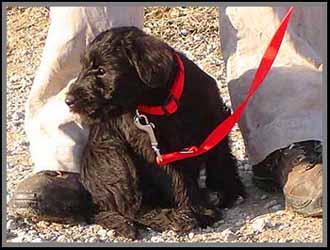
[(70, 100)]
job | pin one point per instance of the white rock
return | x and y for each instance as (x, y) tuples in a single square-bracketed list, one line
[(282, 226), (218, 223), (102, 233), (191, 235), (208, 229), (11, 235), (32, 232), (169, 233), (184, 32), (228, 235), (11, 225), (92, 239), (13, 78), (37, 240), (264, 197), (270, 204), (276, 207), (111, 233), (280, 212), (156, 239), (239, 200), (61, 238), (247, 167), (18, 239), (269, 223), (239, 222), (259, 225), (18, 116)]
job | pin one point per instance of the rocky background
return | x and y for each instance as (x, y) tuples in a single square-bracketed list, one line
[(194, 31)]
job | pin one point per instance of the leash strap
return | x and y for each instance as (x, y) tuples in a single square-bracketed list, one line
[(224, 128)]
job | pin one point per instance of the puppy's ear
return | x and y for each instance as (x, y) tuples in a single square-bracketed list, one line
[(152, 60)]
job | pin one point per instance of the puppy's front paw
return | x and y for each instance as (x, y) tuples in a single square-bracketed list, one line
[(127, 230), (183, 221), (122, 226)]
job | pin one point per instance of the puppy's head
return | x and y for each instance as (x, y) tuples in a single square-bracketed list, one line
[(121, 68)]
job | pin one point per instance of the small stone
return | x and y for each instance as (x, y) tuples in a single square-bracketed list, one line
[(174, 13), (239, 222), (33, 232), (13, 78), (170, 233), (247, 167), (102, 233), (263, 197), (282, 226), (61, 238), (191, 235), (280, 212), (17, 123), (269, 223), (184, 32), (228, 235), (219, 223), (111, 233), (259, 224), (11, 235), (11, 225), (276, 207), (156, 239), (239, 200), (270, 204), (25, 143), (18, 116), (147, 30), (37, 240), (208, 229), (18, 239), (92, 239)]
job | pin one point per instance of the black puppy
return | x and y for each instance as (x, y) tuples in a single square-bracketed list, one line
[(122, 69)]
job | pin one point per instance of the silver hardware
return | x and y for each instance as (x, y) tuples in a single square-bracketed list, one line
[(149, 128), (186, 151)]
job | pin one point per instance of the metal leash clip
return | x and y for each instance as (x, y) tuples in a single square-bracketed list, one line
[(149, 128)]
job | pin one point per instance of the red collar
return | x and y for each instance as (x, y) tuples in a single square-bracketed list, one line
[(172, 102)]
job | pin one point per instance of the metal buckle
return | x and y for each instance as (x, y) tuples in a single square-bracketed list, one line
[(188, 150), (149, 128)]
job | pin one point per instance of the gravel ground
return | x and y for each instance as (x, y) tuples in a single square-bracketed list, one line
[(259, 218)]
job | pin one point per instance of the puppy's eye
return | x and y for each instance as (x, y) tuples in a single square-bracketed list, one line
[(100, 72)]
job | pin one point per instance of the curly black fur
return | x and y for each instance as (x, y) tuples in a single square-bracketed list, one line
[(124, 67)]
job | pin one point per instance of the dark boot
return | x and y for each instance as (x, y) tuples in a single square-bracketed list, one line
[(52, 196), (297, 171)]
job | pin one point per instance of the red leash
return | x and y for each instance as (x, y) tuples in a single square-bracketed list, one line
[(224, 128)]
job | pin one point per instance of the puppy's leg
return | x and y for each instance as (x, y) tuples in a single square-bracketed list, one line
[(162, 219), (182, 217), (222, 175), (109, 174), (113, 220)]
